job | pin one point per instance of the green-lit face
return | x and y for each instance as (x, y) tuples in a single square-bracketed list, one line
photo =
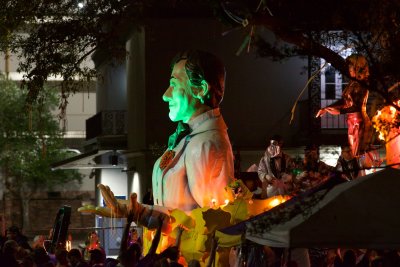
[(182, 104)]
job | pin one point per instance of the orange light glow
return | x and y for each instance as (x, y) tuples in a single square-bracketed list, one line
[(68, 245), (385, 120), (213, 203), (275, 201), (164, 243)]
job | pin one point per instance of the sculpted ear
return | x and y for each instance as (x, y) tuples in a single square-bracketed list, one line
[(201, 91), (204, 89)]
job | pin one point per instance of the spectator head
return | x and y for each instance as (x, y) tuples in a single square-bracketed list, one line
[(134, 235), (74, 256), (311, 152), (349, 258), (92, 238), (40, 256), (311, 147), (346, 152), (13, 232), (110, 262), (38, 241), (275, 144), (276, 139), (10, 247), (194, 263), (392, 258), (131, 256), (28, 262), (96, 256), (61, 256)]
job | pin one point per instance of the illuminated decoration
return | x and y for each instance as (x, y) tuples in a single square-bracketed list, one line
[(213, 203), (387, 123), (202, 224), (68, 245), (275, 202), (166, 159)]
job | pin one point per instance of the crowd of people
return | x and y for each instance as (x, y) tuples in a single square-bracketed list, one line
[(282, 174), (17, 251)]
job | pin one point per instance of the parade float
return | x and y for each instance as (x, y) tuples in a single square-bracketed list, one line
[(202, 225)]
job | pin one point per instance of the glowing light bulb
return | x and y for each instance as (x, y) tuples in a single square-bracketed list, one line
[(80, 5), (213, 202), (274, 202), (68, 245)]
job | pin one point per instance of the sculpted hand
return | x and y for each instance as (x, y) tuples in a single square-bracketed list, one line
[(130, 209), (115, 208), (320, 113), (119, 210), (330, 110)]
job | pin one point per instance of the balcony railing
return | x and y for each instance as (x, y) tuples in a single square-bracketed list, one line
[(329, 121), (106, 123)]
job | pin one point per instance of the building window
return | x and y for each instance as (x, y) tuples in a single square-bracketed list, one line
[(332, 84)]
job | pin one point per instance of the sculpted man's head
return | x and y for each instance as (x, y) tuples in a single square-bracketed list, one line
[(197, 84), (358, 66)]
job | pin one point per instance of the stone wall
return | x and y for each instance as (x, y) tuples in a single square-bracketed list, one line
[(43, 209)]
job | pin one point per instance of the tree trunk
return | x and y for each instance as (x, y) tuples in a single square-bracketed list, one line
[(25, 199)]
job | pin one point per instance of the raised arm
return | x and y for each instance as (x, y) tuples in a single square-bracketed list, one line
[(178, 236), (156, 240), (125, 235), (214, 246)]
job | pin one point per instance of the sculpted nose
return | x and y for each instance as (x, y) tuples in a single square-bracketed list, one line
[(167, 95)]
